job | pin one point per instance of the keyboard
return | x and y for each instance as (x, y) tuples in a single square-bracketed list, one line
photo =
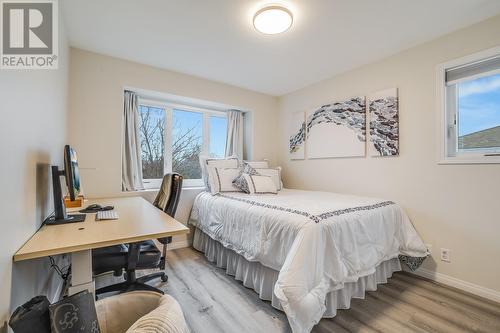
[(107, 215)]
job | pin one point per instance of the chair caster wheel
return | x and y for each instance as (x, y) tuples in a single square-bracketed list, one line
[(164, 278)]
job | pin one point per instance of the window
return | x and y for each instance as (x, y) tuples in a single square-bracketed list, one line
[(470, 107), (217, 142), (187, 143), (174, 136), (152, 129)]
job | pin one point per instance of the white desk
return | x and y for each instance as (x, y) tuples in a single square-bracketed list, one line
[(138, 220)]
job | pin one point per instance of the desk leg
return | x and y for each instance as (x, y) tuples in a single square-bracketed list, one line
[(81, 272)]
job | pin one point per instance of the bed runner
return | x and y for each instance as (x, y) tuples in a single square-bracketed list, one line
[(315, 218)]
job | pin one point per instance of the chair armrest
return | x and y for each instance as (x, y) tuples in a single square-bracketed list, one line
[(165, 240)]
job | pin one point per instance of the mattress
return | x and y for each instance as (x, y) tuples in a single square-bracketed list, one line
[(317, 241)]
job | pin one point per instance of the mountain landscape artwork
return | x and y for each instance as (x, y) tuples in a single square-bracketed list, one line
[(337, 129), (384, 123)]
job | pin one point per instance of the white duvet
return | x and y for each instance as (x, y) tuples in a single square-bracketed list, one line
[(316, 240)]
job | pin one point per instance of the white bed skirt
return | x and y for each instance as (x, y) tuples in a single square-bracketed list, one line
[(262, 279)]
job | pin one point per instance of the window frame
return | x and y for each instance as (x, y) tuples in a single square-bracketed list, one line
[(169, 108), (447, 113)]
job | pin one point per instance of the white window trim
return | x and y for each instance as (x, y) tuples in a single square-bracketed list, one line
[(169, 108), (443, 118), (152, 184)]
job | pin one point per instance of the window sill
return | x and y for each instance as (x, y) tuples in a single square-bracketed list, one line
[(463, 161), (138, 192), (153, 190)]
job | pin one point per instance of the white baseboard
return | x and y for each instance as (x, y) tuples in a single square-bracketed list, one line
[(178, 244), (459, 284)]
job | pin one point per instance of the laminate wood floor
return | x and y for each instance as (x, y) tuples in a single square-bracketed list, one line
[(213, 301)]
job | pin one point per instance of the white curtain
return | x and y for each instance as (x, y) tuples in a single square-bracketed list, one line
[(131, 147), (234, 137)]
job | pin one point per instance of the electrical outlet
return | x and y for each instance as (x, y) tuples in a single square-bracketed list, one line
[(429, 248), (445, 255)]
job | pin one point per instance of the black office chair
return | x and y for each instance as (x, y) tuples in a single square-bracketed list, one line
[(167, 200), (141, 255)]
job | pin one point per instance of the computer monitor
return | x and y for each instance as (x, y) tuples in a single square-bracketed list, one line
[(72, 178), (71, 172)]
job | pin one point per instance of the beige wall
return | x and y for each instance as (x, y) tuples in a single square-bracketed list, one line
[(452, 206), (33, 106), (96, 107)]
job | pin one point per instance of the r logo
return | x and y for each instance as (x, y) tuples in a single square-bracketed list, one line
[(27, 28)]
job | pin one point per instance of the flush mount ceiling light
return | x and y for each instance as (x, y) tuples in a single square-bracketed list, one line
[(273, 19)]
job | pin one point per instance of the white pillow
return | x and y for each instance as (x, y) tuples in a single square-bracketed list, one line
[(221, 179), (274, 173), (264, 164), (205, 161), (260, 184)]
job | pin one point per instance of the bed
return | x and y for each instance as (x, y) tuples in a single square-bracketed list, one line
[(307, 252)]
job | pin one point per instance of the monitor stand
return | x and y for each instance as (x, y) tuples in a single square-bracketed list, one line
[(60, 216), (70, 218)]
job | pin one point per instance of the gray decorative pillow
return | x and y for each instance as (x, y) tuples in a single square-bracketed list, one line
[(75, 314), (240, 181)]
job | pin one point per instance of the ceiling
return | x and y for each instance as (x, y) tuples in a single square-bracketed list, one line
[(215, 39)]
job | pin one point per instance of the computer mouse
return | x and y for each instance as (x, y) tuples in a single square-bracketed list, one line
[(91, 209), (108, 208), (94, 207)]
